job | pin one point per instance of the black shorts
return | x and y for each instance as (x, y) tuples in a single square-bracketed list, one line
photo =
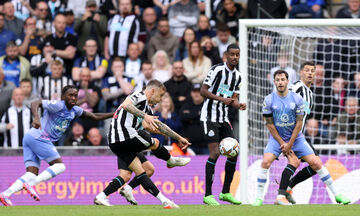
[(215, 132), (122, 164), (128, 149)]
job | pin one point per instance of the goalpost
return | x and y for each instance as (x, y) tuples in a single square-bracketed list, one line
[(333, 43)]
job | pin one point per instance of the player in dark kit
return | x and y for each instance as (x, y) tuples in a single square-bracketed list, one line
[(220, 89)]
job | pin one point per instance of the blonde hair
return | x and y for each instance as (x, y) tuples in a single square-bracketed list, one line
[(167, 96), (154, 58)]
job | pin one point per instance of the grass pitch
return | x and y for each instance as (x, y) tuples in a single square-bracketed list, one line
[(185, 210)]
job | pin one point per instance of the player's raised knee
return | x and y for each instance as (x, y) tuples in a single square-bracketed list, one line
[(315, 163)]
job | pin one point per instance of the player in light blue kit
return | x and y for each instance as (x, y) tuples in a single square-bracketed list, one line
[(283, 111), (38, 142)]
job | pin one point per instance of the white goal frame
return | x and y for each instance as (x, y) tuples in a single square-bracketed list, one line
[(244, 24)]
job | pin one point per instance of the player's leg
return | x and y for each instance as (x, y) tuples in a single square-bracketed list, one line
[(303, 150), (293, 164), (316, 164), (226, 131), (211, 136), (126, 191)]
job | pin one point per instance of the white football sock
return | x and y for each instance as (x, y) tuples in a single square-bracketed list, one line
[(49, 173), (326, 178), (18, 184), (162, 198), (261, 181)]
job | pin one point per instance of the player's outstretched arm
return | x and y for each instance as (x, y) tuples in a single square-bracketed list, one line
[(166, 131), (97, 116), (204, 91), (34, 110), (271, 127)]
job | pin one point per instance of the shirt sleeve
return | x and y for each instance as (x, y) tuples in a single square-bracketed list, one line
[(238, 85), (299, 105), (267, 111), (210, 77), (52, 105), (137, 97), (78, 111)]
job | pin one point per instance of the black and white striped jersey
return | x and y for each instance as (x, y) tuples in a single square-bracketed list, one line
[(300, 88), (122, 32), (21, 119), (124, 125), (222, 82)]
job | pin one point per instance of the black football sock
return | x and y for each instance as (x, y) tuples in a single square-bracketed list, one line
[(301, 176), (162, 153), (147, 184), (114, 185), (134, 183), (285, 178), (209, 174), (230, 166)]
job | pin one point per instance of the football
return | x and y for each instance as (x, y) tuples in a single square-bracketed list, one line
[(229, 147)]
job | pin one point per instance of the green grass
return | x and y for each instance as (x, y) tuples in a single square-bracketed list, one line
[(185, 210)]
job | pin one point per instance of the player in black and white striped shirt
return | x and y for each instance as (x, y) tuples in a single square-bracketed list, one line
[(301, 87), (126, 139), (221, 90)]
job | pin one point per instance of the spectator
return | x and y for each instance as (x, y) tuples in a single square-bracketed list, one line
[(223, 38), (348, 124), (29, 97), (116, 87), (338, 95), (88, 96), (50, 86), (187, 38), (146, 75), (351, 10), (328, 54), (43, 19), (30, 43), (196, 64), (283, 64), (6, 35), (6, 89), (182, 15), (275, 8), (95, 138), (162, 66), (63, 43), (178, 86), (12, 23), (163, 40), (230, 15), (16, 121), (15, 66), (121, 35), (354, 89), (40, 65), (313, 135), (23, 9), (204, 28), (109, 8), (70, 22), (56, 6), (189, 113), (77, 6), (91, 25), (167, 116), (313, 7), (92, 60), (210, 51), (76, 136), (148, 25), (162, 6), (133, 61)]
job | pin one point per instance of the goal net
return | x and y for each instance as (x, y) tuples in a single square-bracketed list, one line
[(333, 128)]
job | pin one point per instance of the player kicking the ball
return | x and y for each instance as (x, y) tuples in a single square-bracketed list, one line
[(126, 140), (283, 111), (38, 142)]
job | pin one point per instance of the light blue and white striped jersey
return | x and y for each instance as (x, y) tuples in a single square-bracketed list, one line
[(284, 111), (55, 120)]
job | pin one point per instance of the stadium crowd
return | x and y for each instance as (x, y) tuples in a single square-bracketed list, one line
[(110, 48)]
